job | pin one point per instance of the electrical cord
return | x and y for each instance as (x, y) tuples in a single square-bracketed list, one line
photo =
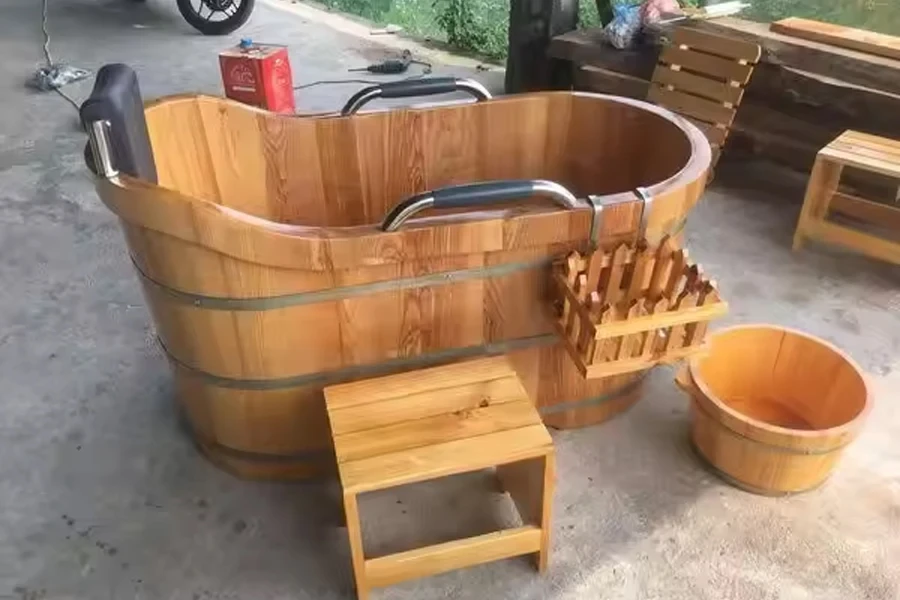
[(44, 78)]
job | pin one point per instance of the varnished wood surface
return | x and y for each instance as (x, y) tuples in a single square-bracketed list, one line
[(378, 447), (702, 76), (872, 154), (257, 206), (774, 408), (862, 40)]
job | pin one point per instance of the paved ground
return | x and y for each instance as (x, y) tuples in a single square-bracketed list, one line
[(103, 497)]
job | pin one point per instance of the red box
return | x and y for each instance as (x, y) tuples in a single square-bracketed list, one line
[(259, 75)]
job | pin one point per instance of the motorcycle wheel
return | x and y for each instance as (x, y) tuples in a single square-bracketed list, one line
[(216, 17)]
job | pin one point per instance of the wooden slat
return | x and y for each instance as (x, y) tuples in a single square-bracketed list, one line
[(413, 382), (867, 150), (873, 141), (727, 70), (849, 157), (440, 460), (861, 40), (728, 47), (660, 321), (425, 404), (691, 106), (439, 429), (865, 210), (711, 89), (440, 558)]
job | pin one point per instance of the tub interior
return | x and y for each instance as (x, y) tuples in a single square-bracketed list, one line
[(782, 378), (339, 172)]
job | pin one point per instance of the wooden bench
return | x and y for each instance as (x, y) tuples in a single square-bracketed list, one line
[(432, 423), (823, 199)]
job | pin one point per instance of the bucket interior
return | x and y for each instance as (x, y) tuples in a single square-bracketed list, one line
[(782, 378), (342, 172)]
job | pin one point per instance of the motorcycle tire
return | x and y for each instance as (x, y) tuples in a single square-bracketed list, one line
[(223, 27)]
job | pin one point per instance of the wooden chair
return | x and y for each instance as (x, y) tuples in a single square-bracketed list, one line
[(433, 423), (702, 77), (862, 151)]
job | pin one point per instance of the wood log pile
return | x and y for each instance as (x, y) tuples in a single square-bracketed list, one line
[(803, 93)]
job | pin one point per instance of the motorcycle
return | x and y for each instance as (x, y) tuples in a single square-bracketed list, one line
[(216, 17)]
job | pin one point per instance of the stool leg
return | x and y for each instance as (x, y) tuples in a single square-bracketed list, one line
[(354, 534), (823, 182), (547, 488), (530, 484)]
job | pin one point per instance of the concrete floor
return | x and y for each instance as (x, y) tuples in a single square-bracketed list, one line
[(103, 496)]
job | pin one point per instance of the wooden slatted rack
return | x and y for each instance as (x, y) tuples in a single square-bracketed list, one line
[(632, 308), (702, 77)]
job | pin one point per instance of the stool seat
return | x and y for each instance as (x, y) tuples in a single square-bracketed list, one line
[(862, 151), (432, 423)]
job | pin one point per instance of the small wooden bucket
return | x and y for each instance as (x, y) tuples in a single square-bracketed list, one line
[(773, 409)]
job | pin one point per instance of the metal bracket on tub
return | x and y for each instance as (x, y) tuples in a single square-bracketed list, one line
[(98, 134), (597, 205), (644, 194)]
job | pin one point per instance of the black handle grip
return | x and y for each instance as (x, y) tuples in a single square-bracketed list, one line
[(116, 98), (477, 194), (408, 88), (419, 87), (490, 192)]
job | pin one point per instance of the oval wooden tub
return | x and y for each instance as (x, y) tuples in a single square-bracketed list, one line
[(269, 277), (772, 408)]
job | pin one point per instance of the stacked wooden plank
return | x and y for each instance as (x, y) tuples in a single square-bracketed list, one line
[(802, 95)]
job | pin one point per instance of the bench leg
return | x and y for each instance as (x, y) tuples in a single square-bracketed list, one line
[(354, 535), (530, 483), (823, 183)]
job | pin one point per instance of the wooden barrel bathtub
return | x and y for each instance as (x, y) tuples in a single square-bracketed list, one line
[(772, 408), (268, 276)]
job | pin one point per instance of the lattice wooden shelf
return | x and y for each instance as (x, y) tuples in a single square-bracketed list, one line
[(632, 308)]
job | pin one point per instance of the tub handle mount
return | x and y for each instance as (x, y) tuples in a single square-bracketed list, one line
[(428, 86)]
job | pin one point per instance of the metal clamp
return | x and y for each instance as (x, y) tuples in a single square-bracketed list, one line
[(598, 204), (644, 194), (98, 133)]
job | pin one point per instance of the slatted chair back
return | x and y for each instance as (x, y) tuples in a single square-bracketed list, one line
[(702, 76)]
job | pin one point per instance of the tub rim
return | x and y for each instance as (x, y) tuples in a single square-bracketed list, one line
[(696, 166), (839, 433), (249, 238)]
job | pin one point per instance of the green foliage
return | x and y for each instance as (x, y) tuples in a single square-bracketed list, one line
[(474, 25), (479, 26)]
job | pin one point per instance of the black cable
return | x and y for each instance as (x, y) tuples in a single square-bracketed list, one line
[(362, 81), (337, 81)]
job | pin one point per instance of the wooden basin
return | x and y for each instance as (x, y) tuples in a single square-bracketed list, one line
[(772, 408)]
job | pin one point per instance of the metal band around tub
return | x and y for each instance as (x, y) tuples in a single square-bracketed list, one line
[(342, 293), (371, 370), (415, 362)]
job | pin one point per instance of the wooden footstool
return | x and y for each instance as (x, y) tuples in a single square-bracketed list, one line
[(432, 423), (866, 152)]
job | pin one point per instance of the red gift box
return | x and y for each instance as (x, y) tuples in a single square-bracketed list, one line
[(260, 75)]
